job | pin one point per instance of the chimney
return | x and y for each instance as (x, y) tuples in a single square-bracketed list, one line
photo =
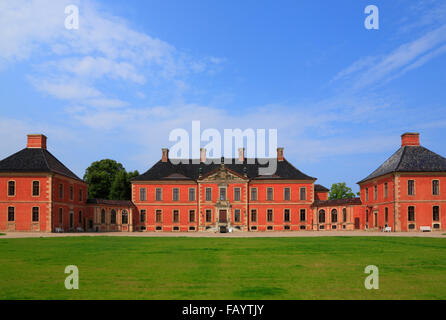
[(36, 141), (241, 155), (410, 139), (280, 154), (202, 155), (165, 155)]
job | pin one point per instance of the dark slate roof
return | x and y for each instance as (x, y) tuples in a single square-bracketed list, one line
[(337, 202), (320, 188), (189, 171), (410, 159), (32, 160), (124, 203)]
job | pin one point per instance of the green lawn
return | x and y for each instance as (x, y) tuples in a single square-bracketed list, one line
[(216, 268)]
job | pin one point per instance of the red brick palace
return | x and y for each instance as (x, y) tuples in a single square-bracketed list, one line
[(406, 193)]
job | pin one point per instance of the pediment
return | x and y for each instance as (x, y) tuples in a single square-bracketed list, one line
[(223, 174)]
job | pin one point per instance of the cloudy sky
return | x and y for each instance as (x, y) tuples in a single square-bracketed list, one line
[(339, 95)]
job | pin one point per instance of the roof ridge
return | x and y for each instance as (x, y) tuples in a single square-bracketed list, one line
[(46, 161), (401, 158)]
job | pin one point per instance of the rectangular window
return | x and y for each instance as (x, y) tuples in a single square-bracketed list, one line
[(176, 216), (36, 188), (436, 214), (208, 194), (159, 194), (303, 193), (411, 214), (287, 194), (386, 215), (269, 194), (81, 195), (71, 220), (60, 216), (60, 191), (11, 188), (143, 216), (366, 194), (159, 216), (254, 215), (303, 216), (176, 194), (142, 194), (386, 190), (222, 194), (71, 193), (191, 194), (237, 217), (376, 193), (208, 216), (435, 187), (192, 216), (254, 194), (11, 214), (286, 215), (411, 187), (269, 215), (80, 217), (237, 194)]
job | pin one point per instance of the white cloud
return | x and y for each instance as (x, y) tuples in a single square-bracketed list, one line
[(71, 63), (370, 71), (67, 89)]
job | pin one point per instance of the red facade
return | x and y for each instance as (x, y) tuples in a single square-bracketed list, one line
[(39, 194)]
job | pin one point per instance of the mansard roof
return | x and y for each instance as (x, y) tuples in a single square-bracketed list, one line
[(187, 170), (410, 159), (35, 160)]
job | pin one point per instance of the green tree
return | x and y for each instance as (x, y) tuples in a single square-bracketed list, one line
[(341, 191), (100, 176), (121, 188)]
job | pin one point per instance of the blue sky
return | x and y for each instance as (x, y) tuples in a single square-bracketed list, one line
[(339, 95)]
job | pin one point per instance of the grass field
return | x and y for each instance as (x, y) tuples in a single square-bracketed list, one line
[(216, 268)]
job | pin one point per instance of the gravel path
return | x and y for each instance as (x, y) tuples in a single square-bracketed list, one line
[(19, 235)]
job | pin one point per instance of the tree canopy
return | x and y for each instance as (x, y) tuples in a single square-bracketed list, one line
[(108, 179), (341, 191)]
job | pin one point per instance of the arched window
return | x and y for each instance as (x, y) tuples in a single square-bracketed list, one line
[(322, 216), (344, 215), (103, 216), (334, 216), (113, 217), (125, 217)]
